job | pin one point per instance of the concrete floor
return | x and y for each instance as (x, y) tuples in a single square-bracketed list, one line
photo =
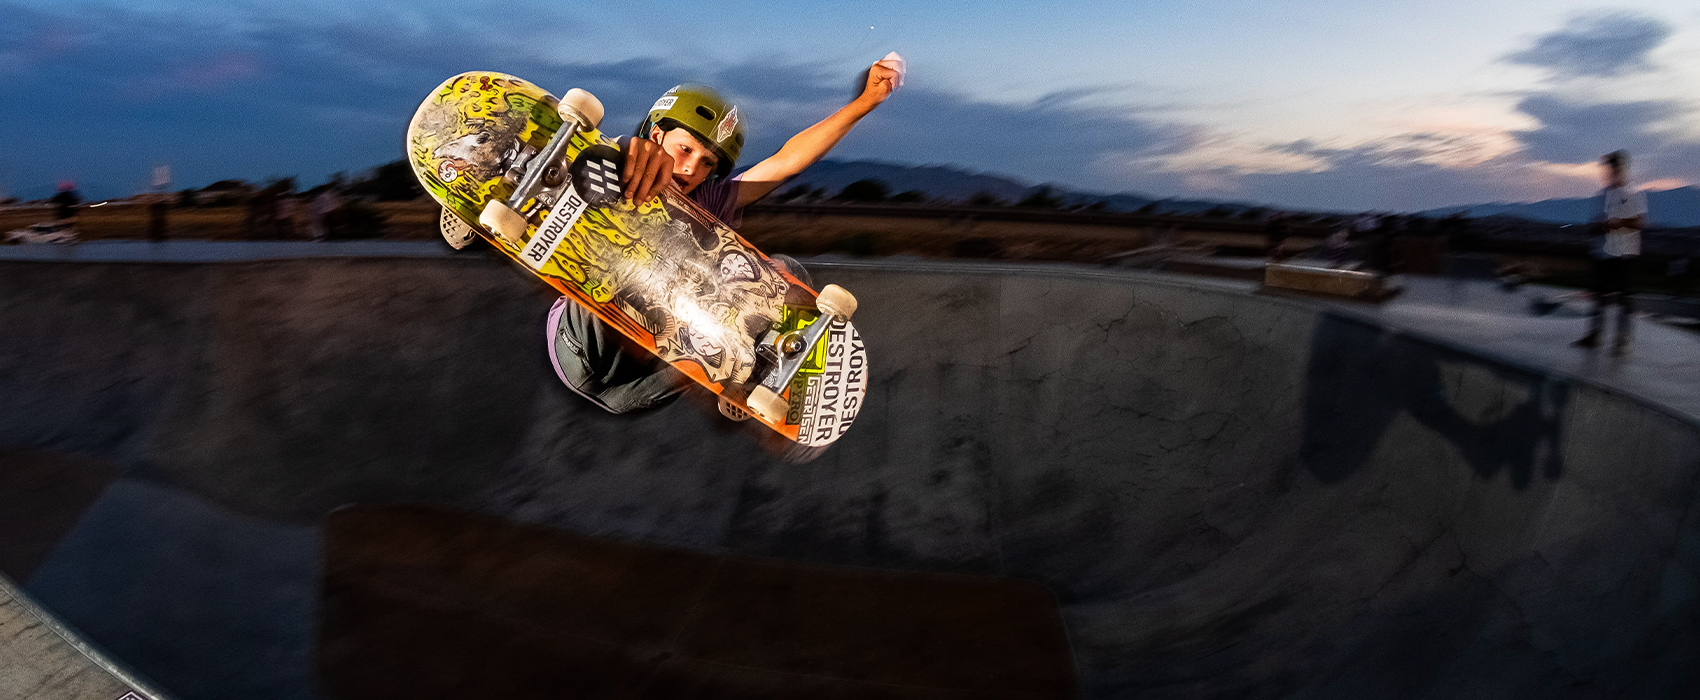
[(1224, 493)]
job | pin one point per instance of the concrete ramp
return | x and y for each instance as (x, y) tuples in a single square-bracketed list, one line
[(41, 659), (1225, 494)]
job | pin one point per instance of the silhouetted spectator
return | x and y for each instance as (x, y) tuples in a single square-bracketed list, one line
[(1622, 217), (282, 198), (1450, 227), (262, 213), (1336, 247), (1460, 233), (1383, 249), (156, 216), (65, 201), (1275, 231), (1681, 273), (322, 212), (288, 213), (1364, 223)]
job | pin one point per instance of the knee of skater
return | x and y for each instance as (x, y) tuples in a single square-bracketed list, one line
[(795, 268)]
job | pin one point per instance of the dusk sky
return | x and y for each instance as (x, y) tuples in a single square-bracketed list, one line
[(1304, 103)]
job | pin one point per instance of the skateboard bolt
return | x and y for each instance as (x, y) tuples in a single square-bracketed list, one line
[(791, 343)]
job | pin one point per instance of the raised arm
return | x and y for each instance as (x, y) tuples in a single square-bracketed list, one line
[(815, 142)]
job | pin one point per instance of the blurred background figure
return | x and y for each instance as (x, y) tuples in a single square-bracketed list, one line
[(1337, 247), (159, 202), (1623, 215), (1382, 251), (1363, 223), (1275, 230), (262, 213), (65, 200), (288, 214), (279, 195), (1681, 272), (322, 211)]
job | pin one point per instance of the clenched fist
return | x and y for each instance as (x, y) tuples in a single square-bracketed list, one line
[(884, 77)]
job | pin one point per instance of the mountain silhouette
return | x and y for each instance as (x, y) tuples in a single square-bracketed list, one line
[(951, 183), (1679, 207)]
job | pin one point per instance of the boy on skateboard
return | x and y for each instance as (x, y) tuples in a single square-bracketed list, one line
[(691, 137)]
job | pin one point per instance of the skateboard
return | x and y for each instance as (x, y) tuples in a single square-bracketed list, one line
[(532, 175)]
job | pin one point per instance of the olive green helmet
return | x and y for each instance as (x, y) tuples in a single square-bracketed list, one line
[(706, 114)]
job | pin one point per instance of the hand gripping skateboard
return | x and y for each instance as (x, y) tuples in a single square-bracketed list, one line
[(531, 174)]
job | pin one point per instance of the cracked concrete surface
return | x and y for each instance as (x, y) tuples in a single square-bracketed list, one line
[(1228, 494), (39, 658)]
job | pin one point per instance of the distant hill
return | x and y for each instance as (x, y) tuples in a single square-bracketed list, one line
[(938, 181), (944, 182), (1675, 207), (1678, 207)]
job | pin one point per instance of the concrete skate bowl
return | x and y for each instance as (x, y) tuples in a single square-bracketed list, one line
[(1217, 494)]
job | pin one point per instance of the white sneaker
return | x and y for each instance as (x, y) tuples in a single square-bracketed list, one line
[(456, 232)]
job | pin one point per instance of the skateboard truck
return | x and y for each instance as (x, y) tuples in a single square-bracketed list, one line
[(580, 111), (787, 351)]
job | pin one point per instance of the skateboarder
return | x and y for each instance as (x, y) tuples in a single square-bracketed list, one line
[(691, 137), (1624, 214)]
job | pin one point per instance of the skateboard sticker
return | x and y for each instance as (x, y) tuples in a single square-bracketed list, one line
[(727, 124), (831, 386), (541, 248), (596, 174)]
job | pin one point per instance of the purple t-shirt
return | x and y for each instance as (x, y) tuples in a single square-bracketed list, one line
[(720, 199)]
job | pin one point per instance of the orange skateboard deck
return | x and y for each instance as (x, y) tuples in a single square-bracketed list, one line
[(540, 183)]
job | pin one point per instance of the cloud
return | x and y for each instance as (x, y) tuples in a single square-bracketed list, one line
[(1577, 122), (1578, 131), (220, 99), (1573, 132), (273, 95), (1430, 170), (280, 96), (1596, 45), (1405, 172), (1046, 140)]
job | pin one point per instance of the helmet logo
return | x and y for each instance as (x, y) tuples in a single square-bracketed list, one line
[(727, 124), (665, 102)]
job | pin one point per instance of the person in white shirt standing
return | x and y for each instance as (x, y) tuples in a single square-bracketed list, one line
[(1624, 214)]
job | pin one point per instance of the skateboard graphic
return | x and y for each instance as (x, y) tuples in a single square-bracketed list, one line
[(531, 174)]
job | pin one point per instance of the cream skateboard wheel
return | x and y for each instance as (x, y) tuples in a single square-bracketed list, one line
[(836, 301), (503, 221), (766, 404), (583, 104)]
